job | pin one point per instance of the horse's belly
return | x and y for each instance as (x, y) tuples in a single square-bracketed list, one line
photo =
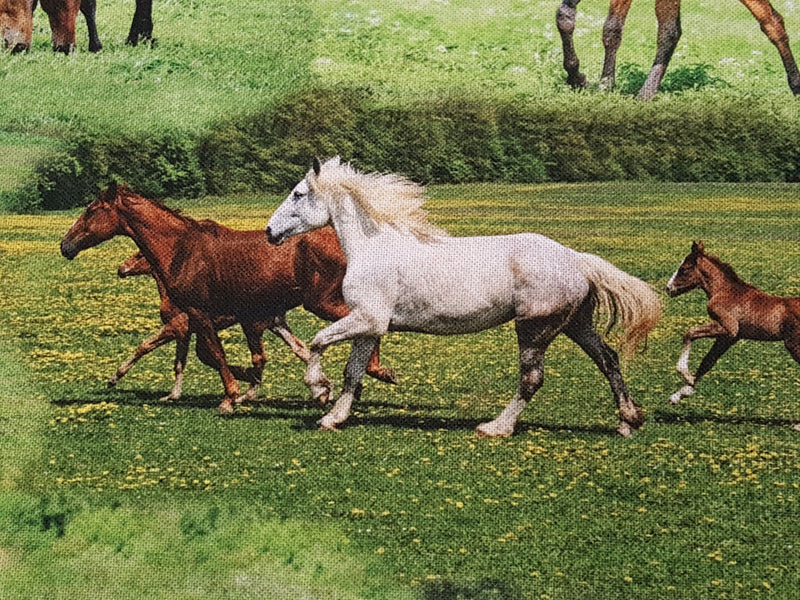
[(449, 320)]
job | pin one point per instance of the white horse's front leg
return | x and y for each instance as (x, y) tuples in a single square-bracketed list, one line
[(360, 353)]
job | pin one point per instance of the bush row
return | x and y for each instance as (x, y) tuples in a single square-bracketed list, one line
[(703, 136)]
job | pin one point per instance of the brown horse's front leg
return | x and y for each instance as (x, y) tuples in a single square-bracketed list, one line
[(612, 38), (668, 14), (565, 21), (62, 15), (211, 353)]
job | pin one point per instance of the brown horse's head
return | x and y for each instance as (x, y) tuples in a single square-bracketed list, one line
[(688, 276), (135, 265), (16, 24), (98, 223)]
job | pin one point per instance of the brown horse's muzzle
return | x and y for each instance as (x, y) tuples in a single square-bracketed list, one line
[(69, 249)]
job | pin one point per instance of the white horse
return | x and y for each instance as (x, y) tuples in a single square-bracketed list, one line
[(405, 274)]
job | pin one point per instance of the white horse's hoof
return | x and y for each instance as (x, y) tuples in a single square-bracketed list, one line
[(796, 427), (327, 424), (168, 398), (676, 398), (624, 429), (488, 430), (684, 392)]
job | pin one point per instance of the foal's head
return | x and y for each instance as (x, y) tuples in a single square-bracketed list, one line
[(98, 223), (688, 276), (135, 265)]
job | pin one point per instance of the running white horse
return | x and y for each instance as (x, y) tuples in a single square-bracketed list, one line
[(405, 274)]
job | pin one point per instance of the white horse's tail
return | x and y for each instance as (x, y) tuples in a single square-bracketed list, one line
[(626, 300)]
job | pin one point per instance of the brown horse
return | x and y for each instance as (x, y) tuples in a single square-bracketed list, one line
[(209, 271), (16, 24), (737, 309), (176, 328), (669, 32)]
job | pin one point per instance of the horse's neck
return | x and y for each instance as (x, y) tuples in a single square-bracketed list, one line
[(716, 281), (156, 232), (354, 228)]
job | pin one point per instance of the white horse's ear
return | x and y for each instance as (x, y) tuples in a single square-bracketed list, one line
[(317, 166)]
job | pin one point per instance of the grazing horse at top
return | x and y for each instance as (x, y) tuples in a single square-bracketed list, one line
[(176, 328), (738, 311), (211, 271), (405, 274), (669, 32)]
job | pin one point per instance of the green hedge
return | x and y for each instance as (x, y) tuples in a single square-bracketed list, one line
[(700, 136)]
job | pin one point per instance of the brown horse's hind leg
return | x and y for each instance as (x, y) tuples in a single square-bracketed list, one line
[(565, 20), (792, 344), (253, 333), (581, 331), (773, 27), (668, 15), (612, 38)]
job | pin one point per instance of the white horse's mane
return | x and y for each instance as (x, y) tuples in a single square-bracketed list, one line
[(386, 198)]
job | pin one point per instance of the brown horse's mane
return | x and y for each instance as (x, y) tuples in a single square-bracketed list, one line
[(726, 269), (206, 225)]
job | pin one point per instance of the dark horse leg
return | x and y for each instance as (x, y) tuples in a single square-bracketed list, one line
[(772, 25), (142, 23), (721, 345), (581, 331), (62, 16), (565, 21), (668, 15), (89, 10)]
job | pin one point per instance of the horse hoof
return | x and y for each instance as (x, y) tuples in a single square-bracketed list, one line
[(484, 431), (796, 427), (327, 425), (385, 375), (676, 398), (226, 408), (624, 429), (168, 399)]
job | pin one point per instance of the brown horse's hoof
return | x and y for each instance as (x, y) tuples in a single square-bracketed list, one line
[(385, 375), (226, 408)]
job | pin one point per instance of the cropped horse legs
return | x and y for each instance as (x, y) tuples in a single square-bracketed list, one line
[(721, 345)]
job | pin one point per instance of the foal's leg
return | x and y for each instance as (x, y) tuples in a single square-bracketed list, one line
[(280, 327), (533, 337), (181, 354), (360, 351), (772, 25), (668, 14), (581, 331), (723, 342), (612, 38), (565, 21), (167, 333), (253, 333)]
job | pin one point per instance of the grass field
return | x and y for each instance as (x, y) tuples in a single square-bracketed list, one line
[(111, 493)]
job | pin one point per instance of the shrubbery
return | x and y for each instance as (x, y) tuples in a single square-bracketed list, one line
[(703, 136)]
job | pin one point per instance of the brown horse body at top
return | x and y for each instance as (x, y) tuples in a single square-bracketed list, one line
[(16, 23), (176, 328), (738, 311), (669, 32), (211, 271)]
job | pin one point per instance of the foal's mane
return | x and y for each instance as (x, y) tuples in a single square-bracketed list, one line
[(726, 269), (387, 198)]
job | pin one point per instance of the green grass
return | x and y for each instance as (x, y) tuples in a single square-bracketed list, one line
[(701, 503)]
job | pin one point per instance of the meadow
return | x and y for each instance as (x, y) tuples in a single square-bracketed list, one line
[(102, 486)]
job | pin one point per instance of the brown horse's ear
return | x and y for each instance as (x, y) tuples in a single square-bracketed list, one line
[(698, 247), (317, 166)]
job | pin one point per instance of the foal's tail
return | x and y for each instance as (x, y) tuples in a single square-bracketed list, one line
[(627, 300)]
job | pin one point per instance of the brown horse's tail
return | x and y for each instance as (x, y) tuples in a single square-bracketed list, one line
[(626, 300)]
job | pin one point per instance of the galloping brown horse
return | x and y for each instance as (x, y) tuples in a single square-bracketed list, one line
[(669, 32), (211, 271), (176, 328), (738, 311)]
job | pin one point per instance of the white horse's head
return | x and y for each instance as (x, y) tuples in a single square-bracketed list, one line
[(301, 211)]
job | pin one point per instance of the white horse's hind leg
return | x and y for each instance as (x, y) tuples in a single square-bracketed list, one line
[(533, 337), (582, 332), (355, 370)]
